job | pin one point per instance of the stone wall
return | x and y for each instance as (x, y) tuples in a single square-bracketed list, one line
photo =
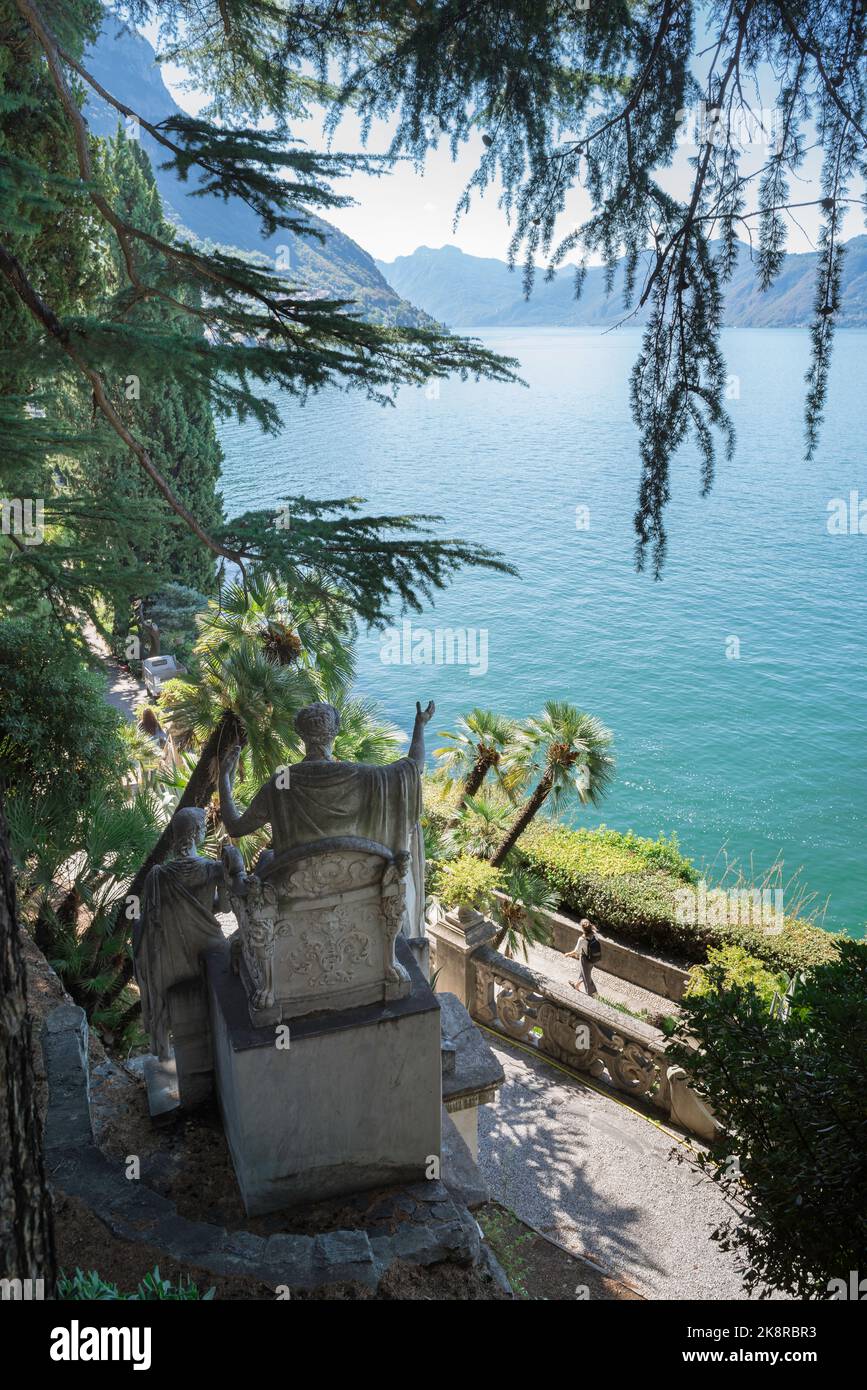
[(423, 1225), (638, 967)]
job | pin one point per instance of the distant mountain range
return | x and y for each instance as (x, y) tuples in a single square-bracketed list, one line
[(124, 63), (446, 285), (474, 291)]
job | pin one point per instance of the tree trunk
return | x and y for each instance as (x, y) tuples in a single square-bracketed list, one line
[(197, 792), (519, 825), (26, 1229), (483, 764)]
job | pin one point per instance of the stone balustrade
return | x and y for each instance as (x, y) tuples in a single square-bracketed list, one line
[(578, 1031), (573, 1029)]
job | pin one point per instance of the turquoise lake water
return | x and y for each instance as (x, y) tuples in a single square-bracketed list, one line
[(754, 756)]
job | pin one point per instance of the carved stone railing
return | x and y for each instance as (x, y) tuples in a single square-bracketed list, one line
[(573, 1029), (577, 1031)]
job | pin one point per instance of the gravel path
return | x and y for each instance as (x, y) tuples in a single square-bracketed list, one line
[(602, 1181), (123, 691)]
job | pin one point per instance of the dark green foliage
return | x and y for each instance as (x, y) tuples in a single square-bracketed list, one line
[(72, 876), (171, 415), (789, 1094), (92, 1288), (76, 835), (194, 330), (172, 610), (57, 734)]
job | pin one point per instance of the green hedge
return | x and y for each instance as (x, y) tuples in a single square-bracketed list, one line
[(627, 885)]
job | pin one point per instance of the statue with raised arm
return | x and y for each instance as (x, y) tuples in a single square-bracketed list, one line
[(177, 923), (321, 798)]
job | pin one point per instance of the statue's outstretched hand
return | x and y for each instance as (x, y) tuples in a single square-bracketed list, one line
[(229, 763), (424, 716)]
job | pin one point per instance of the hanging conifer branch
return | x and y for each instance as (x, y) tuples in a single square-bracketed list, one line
[(562, 92)]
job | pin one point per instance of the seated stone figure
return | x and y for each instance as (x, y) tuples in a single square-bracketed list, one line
[(344, 875), (177, 923), (320, 798)]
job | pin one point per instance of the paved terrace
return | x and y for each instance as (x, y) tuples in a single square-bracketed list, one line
[(597, 1177)]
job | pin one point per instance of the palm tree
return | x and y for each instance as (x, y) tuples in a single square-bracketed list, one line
[(478, 746), (478, 827), (240, 694), (314, 636), (257, 661), (567, 750), (518, 913), (72, 879), (364, 737)]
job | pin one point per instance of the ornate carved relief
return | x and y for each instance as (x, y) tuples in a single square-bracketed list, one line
[(569, 1035), (256, 910), (393, 905), (327, 953), (322, 933)]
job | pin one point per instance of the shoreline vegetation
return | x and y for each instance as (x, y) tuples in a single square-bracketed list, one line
[(628, 885)]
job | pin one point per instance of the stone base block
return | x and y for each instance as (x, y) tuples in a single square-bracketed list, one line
[(332, 1103), (161, 1079), (191, 1037)]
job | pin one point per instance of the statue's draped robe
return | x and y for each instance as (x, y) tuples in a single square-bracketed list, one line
[(324, 799), (177, 924)]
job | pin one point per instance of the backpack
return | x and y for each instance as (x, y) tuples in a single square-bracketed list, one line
[(594, 949)]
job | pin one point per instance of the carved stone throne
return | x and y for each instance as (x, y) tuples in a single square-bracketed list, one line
[(326, 1035), (317, 929)]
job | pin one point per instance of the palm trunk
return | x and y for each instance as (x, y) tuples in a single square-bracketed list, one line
[(483, 764), (519, 825), (26, 1231), (197, 792)]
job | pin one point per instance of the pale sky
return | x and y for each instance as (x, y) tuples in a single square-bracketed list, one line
[(405, 209)]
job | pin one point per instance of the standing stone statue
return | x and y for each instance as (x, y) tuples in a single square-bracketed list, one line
[(177, 923), (321, 798)]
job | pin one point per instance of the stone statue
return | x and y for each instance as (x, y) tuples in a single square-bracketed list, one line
[(322, 798), (344, 875), (254, 903), (177, 923)]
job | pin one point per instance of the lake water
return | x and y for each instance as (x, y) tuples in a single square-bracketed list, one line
[(737, 686)]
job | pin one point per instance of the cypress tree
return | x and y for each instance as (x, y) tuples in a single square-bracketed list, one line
[(245, 327), (176, 424)]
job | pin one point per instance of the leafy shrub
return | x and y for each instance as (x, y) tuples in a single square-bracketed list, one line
[(57, 733), (610, 853), (173, 610), (466, 882), (92, 1287), (733, 968), (789, 1094), (628, 885), (441, 802)]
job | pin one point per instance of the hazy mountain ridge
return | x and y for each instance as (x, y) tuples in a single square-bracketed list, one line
[(124, 63), (463, 290)]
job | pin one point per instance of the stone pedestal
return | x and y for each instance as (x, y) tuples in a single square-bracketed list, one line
[(331, 1102), (188, 1011), (455, 937), (472, 1075)]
